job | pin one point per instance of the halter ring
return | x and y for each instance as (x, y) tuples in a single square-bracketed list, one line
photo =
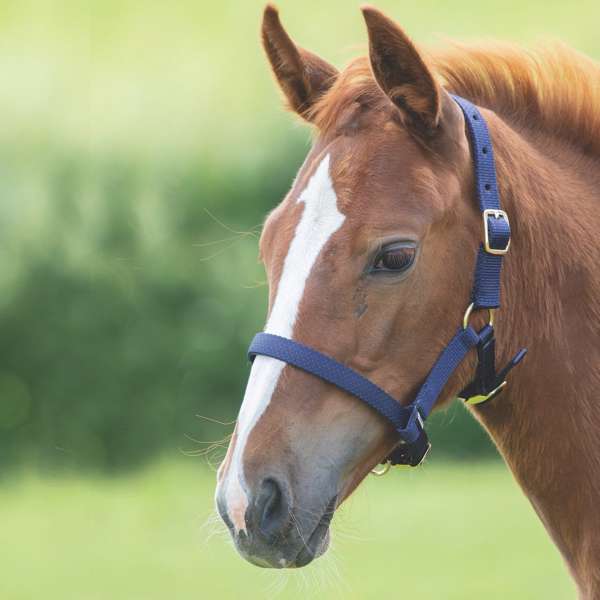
[(380, 471), (469, 311)]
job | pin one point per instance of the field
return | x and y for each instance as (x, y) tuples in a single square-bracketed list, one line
[(449, 531)]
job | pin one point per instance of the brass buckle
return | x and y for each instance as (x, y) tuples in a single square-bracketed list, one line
[(497, 214), (483, 397)]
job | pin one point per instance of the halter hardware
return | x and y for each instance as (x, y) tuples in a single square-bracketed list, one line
[(408, 421), (488, 383), (469, 311), (487, 238), (480, 398), (382, 469)]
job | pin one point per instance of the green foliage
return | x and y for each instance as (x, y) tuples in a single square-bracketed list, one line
[(129, 322)]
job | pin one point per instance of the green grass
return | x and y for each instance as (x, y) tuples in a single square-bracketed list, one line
[(442, 532)]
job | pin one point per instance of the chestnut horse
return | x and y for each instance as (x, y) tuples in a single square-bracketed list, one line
[(370, 259)]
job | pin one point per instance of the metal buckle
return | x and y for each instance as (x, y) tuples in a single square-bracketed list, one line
[(472, 400), (497, 214), (407, 455)]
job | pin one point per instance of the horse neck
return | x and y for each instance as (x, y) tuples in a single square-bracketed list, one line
[(547, 423)]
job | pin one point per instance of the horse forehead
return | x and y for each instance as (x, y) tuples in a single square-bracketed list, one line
[(368, 179), (374, 167)]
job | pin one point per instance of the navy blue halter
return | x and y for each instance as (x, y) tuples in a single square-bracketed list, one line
[(408, 421)]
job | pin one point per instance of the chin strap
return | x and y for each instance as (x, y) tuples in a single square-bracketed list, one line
[(408, 421)]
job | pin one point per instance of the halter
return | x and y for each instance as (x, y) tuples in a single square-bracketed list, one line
[(408, 421)]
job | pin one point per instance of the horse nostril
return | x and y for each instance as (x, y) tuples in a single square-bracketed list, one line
[(271, 508)]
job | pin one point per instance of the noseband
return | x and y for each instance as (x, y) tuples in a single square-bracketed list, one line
[(408, 420)]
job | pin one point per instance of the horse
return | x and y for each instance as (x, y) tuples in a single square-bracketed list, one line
[(370, 259)]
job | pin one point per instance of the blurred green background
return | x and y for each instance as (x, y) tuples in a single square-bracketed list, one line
[(141, 145)]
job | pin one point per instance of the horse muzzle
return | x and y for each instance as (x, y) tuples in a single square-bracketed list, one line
[(278, 532)]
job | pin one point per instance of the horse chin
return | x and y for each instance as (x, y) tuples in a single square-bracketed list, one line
[(272, 557), (316, 546)]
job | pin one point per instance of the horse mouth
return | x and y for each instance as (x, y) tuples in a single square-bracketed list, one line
[(318, 542)]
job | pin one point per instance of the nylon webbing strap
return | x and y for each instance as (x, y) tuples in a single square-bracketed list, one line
[(446, 364), (404, 418), (332, 371), (486, 288)]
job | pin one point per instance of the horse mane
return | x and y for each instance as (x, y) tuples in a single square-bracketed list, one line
[(552, 88)]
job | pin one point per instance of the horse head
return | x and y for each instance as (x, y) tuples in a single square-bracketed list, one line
[(369, 259)]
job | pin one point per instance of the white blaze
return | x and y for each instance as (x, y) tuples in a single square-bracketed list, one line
[(320, 220)]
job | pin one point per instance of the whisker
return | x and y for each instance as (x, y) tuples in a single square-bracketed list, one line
[(339, 578), (216, 421), (297, 526), (218, 252), (213, 527), (203, 451), (221, 441), (278, 584), (215, 242), (254, 286), (310, 513), (228, 228), (214, 466), (212, 445), (221, 241)]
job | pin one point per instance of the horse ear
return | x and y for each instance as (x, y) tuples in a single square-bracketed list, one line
[(402, 74), (302, 76)]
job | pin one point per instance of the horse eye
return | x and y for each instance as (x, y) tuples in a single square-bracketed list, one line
[(396, 258)]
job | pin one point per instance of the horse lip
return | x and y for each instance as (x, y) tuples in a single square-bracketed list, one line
[(316, 543)]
